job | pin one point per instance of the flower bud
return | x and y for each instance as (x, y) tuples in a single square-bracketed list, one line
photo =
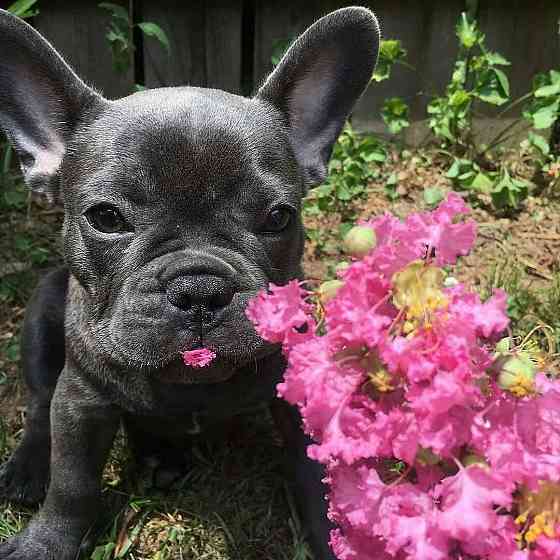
[(450, 282), (341, 266), (517, 374), (329, 289), (503, 345), (359, 241)]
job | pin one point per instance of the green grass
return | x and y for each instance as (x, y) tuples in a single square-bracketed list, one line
[(233, 504), (529, 305)]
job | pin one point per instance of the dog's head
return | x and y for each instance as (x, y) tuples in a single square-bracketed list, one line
[(181, 203)]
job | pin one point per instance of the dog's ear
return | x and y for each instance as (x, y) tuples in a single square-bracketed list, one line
[(318, 81), (41, 100)]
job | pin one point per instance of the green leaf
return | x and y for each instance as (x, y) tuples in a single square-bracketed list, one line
[(467, 32), (116, 36), (509, 192), (496, 59), (459, 98), (459, 73), (547, 91), (12, 351), (546, 116), (503, 81), (343, 193), (377, 156), (395, 114), (22, 8), (538, 142), (458, 167), (433, 195), (117, 12), (153, 30), (454, 170), (492, 87), (482, 183), (103, 552), (344, 228), (390, 53)]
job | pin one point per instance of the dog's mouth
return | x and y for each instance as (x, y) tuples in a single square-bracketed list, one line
[(164, 349), (146, 330)]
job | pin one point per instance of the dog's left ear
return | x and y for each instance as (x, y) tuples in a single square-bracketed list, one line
[(318, 81)]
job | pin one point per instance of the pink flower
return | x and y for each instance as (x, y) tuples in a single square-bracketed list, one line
[(282, 315), (547, 548), (198, 358), (398, 392), (468, 503)]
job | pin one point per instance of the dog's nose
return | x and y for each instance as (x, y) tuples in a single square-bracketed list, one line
[(200, 295)]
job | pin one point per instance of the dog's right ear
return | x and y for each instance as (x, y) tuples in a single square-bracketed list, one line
[(41, 101)]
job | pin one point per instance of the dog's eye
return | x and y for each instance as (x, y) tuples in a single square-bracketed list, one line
[(107, 219), (278, 219)]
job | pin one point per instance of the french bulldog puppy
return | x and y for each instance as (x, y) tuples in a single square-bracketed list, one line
[(180, 205)]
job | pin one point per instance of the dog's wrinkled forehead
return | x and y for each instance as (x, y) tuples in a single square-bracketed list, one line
[(187, 140)]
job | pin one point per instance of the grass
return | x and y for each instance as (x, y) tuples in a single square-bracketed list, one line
[(530, 307), (233, 504)]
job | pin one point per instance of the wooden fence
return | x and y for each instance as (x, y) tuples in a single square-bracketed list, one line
[(228, 44)]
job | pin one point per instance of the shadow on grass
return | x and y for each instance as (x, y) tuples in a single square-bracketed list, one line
[(233, 504)]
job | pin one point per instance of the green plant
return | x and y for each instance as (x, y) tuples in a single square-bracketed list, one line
[(542, 110), (395, 114), (433, 196), (391, 52), (509, 276), (24, 8), (352, 166), (119, 35), (477, 77)]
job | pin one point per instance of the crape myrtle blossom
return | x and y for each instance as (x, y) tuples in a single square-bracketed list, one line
[(440, 437), (198, 358)]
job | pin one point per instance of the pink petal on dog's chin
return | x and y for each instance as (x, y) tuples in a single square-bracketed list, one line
[(198, 358)]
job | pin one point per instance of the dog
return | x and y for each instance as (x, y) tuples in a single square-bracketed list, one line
[(180, 205)]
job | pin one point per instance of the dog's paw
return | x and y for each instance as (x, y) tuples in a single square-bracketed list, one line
[(24, 477), (39, 542)]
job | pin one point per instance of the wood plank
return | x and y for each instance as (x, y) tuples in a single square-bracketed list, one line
[(427, 32), (77, 30), (183, 22), (205, 39), (278, 21), (526, 33), (223, 44)]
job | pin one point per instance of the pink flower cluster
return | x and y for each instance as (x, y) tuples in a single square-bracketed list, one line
[(433, 449)]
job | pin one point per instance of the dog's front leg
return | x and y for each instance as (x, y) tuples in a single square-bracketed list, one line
[(83, 429), (306, 476)]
